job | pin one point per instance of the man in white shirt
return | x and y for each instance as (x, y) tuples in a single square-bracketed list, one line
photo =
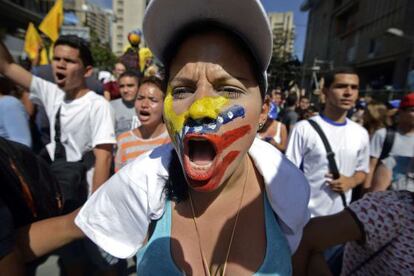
[(348, 141), (86, 118)]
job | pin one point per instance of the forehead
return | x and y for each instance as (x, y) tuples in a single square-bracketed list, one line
[(151, 89), (66, 50), (346, 78), (214, 48), (128, 79), (119, 66)]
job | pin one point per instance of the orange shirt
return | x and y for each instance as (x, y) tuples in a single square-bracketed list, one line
[(131, 146)]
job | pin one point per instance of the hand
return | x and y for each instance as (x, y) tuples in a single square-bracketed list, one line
[(340, 185)]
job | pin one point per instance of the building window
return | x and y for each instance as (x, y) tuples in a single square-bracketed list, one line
[(346, 21)]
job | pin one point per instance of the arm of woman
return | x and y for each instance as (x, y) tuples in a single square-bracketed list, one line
[(44, 236), (381, 179), (324, 232), (283, 138)]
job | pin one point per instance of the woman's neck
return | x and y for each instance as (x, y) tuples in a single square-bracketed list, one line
[(229, 191), (148, 132)]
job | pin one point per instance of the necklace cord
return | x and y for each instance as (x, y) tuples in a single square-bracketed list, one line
[(205, 264)]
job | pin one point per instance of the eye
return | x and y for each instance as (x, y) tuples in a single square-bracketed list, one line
[(182, 92), (230, 92)]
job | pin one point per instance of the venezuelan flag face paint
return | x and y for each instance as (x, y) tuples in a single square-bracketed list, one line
[(198, 139), (211, 116)]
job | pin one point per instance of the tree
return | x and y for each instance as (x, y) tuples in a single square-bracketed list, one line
[(102, 54), (284, 68)]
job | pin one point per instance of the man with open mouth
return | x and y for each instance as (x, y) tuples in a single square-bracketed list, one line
[(85, 118)]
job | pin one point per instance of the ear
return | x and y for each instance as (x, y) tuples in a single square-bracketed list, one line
[(264, 111), (88, 71)]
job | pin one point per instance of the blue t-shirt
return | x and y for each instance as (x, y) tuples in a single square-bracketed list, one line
[(14, 124)]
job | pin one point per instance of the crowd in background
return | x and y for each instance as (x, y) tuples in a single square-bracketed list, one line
[(130, 110)]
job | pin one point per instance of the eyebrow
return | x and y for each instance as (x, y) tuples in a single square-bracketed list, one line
[(219, 79)]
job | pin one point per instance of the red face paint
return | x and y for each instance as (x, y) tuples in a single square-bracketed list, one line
[(208, 180)]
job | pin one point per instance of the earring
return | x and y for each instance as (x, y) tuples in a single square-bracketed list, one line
[(260, 126)]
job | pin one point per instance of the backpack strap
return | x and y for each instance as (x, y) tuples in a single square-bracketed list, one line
[(388, 142), (333, 168)]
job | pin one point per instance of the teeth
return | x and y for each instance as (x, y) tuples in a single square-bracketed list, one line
[(201, 167), (220, 119), (198, 128)]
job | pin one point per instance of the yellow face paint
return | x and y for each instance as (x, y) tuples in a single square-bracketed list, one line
[(207, 107)]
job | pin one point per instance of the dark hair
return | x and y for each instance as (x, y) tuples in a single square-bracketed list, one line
[(175, 188), (155, 81), (132, 74), (291, 100), (78, 43), (330, 75), (6, 86), (207, 26)]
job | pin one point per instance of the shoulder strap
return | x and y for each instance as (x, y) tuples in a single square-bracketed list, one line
[(388, 142), (60, 152), (333, 168)]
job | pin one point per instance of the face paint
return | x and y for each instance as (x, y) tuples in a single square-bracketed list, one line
[(208, 180), (197, 127), (207, 107)]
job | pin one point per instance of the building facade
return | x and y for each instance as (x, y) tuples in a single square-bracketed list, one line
[(99, 22), (284, 34), (15, 17), (356, 33), (129, 15)]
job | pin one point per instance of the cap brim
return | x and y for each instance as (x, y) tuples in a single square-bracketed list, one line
[(165, 18)]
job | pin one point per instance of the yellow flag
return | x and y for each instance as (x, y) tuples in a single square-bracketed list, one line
[(43, 57), (52, 22), (144, 55), (32, 42)]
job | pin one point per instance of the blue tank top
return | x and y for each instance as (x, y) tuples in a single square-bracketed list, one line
[(155, 257)]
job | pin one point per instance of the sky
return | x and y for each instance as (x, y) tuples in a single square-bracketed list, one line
[(300, 18)]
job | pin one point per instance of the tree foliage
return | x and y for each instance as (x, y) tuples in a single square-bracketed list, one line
[(101, 52), (284, 68)]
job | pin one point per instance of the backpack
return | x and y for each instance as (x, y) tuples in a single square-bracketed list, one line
[(27, 186), (388, 142)]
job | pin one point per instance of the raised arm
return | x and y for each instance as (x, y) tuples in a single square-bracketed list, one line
[(13, 71)]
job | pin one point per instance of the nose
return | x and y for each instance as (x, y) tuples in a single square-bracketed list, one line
[(145, 103), (207, 104), (207, 107)]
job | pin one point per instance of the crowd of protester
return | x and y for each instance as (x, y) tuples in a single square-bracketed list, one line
[(351, 157)]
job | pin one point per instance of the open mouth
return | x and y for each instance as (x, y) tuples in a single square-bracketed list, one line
[(144, 115), (201, 152), (200, 157), (60, 77)]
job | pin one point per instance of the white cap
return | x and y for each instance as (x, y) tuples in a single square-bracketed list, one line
[(165, 18)]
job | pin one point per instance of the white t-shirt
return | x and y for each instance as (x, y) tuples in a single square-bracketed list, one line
[(85, 122), (403, 144), (117, 215), (349, 142)]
